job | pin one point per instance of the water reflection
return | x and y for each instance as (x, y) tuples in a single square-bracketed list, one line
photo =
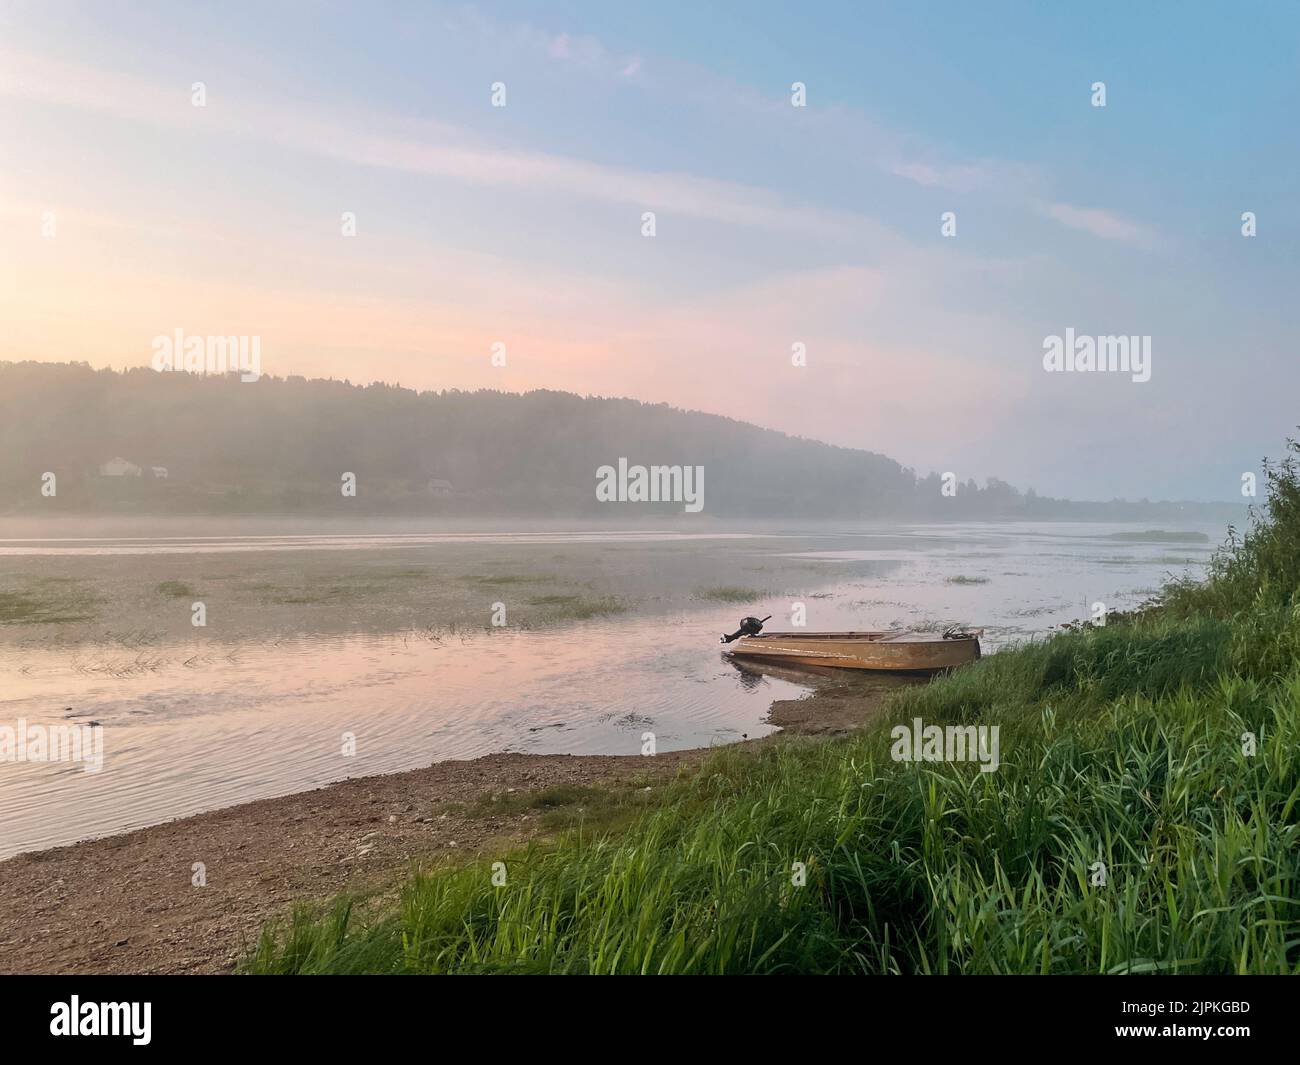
[(187, 730)]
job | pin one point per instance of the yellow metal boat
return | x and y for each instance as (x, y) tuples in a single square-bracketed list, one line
[(892, 651)]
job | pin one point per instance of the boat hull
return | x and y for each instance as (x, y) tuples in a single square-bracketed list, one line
[(891, 652)]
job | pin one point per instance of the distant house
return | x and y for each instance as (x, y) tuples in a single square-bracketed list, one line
[(440, 488), (159, 472), (119, 467)]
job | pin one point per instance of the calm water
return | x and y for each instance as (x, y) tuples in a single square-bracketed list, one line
[(196, 726), (212, 545)]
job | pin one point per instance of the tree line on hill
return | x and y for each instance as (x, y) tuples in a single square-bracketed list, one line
[(214, 443)]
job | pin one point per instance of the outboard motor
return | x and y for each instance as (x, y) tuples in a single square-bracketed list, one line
[(748, 627)]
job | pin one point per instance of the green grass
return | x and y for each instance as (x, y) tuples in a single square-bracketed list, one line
[(176, 589), (729, 593), (1124, 748), (573, 806)]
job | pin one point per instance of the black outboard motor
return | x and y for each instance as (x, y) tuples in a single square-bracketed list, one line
[(748, 627)]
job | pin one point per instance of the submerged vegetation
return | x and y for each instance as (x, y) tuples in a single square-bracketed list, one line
[(729, 593), (176, 590), (1143, 818), (47, 602), (577, 607), (1160, 536)]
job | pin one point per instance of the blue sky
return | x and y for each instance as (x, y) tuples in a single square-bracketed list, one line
[(775, 224)]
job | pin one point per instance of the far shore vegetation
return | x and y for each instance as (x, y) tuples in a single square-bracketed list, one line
[(446, 454)]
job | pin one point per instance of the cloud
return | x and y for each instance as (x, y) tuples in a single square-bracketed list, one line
[(703, 91), (559, 46), (1100, 222), (962, 177), (435, 149)]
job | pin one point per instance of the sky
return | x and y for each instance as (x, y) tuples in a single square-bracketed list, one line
[(127, 212)]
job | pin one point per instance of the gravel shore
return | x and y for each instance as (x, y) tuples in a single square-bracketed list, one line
[(130, 903)]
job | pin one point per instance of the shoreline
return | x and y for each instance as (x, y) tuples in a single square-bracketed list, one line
[(127, 903)]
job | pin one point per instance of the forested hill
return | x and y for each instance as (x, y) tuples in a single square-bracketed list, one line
[(218, 444)]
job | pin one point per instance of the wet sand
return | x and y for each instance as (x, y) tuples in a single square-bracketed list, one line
[(128, 904)]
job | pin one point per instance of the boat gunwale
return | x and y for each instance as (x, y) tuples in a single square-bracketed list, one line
[(893, 636)]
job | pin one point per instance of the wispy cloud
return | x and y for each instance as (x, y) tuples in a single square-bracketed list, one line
[(963, 177), (1100, 222), (435, 149)]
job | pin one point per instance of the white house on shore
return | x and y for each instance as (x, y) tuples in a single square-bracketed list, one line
[(119, 467)]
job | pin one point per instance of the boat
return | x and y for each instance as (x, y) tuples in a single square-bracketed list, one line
[(894, 651)]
